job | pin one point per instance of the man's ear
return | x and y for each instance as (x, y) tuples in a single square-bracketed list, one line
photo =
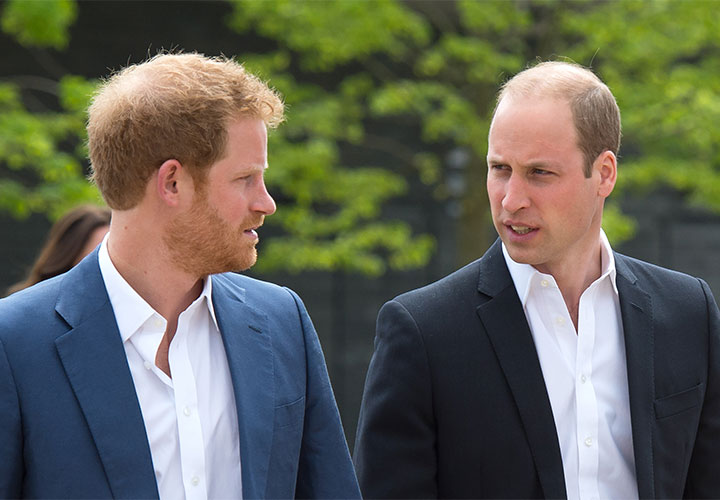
[(606, 165), (169, 175)]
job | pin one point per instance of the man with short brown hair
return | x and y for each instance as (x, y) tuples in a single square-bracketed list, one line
[(552, 367), (150, 370)]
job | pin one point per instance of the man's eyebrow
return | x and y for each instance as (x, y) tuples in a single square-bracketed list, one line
[(494, 159), (253, 167), (539, 164)]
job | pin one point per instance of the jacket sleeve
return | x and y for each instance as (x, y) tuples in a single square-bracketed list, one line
[(325, 469), (395, 448), (703, 479), (11, 458)]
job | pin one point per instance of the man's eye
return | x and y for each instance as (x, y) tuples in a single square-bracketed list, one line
[(540, 171)]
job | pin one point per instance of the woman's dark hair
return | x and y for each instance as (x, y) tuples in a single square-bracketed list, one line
[(65, 241)]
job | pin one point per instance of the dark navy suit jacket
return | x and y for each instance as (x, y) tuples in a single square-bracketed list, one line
[(70, 421), (455, 404)]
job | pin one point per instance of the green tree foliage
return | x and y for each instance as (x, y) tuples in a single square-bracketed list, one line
[(329, 214), (39, 23), (386, 76), (664, 68), (41, 175), (41, 149), (434, 68), (414, 83)]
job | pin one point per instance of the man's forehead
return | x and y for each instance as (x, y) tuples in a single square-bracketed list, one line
[(527, 111), (533, 99), (534, 130)]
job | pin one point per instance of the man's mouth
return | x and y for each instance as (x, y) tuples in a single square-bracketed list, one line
[(521, 229), (254, 228)]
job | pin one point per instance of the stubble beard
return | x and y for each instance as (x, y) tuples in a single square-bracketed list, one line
[(201, 243)]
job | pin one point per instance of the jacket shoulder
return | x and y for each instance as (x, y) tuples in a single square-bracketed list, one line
[(653, 275), (261, 295), (248, 283), (22, 311)]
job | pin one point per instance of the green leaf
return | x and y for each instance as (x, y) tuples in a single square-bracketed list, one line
[(39, 23), (617, 226), (327, 34), (75, 93)]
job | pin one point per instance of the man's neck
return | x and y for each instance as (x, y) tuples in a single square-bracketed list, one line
[(573, 278), (168, 290), (143, 262)]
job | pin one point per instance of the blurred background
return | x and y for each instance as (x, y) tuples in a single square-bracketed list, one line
[(379, 170)]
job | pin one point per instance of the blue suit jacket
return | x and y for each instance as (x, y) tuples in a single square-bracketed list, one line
[(70, 421)]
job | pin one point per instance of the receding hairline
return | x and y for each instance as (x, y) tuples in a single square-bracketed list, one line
[(551, 79)]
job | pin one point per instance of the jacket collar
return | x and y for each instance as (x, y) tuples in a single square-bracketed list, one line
[(94, 360), (504, 320), (250, 357), (637, 318)]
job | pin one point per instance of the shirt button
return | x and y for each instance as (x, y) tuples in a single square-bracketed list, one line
[(148, 365), (195, 480), (544, 283), (588, 441), (560, 321), (158, 323), (186, 411), (583, 378)]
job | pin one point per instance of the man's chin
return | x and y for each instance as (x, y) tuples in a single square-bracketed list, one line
[(243, 263), (520, 256), (218, 266)]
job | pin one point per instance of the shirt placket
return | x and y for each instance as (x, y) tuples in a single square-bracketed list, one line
[(586, 400), (192, 450)]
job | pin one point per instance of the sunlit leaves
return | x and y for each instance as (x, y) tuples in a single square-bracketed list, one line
[(662, 61), (466, 61), (445, 113), (325, 34), (329, 213), (490, 17), (355, 250), (617, 226), (9, 98), (328, 210), (75, 93), (410, 82), (39, 23), (697, 178), (43, 154)]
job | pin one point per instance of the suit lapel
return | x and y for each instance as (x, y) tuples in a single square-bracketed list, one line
[(506, 326), (249, 352), (636, 311), (94, 360)]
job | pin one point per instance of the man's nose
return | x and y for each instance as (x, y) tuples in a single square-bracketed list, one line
[(263, 202), (516, 194)]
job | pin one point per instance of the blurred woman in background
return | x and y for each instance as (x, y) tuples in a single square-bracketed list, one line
[(70, 239)]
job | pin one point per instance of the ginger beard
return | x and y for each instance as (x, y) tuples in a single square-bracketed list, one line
[(200, 242)]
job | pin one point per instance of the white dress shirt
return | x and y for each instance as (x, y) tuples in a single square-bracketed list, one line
[(586, 378), (191, 418)]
